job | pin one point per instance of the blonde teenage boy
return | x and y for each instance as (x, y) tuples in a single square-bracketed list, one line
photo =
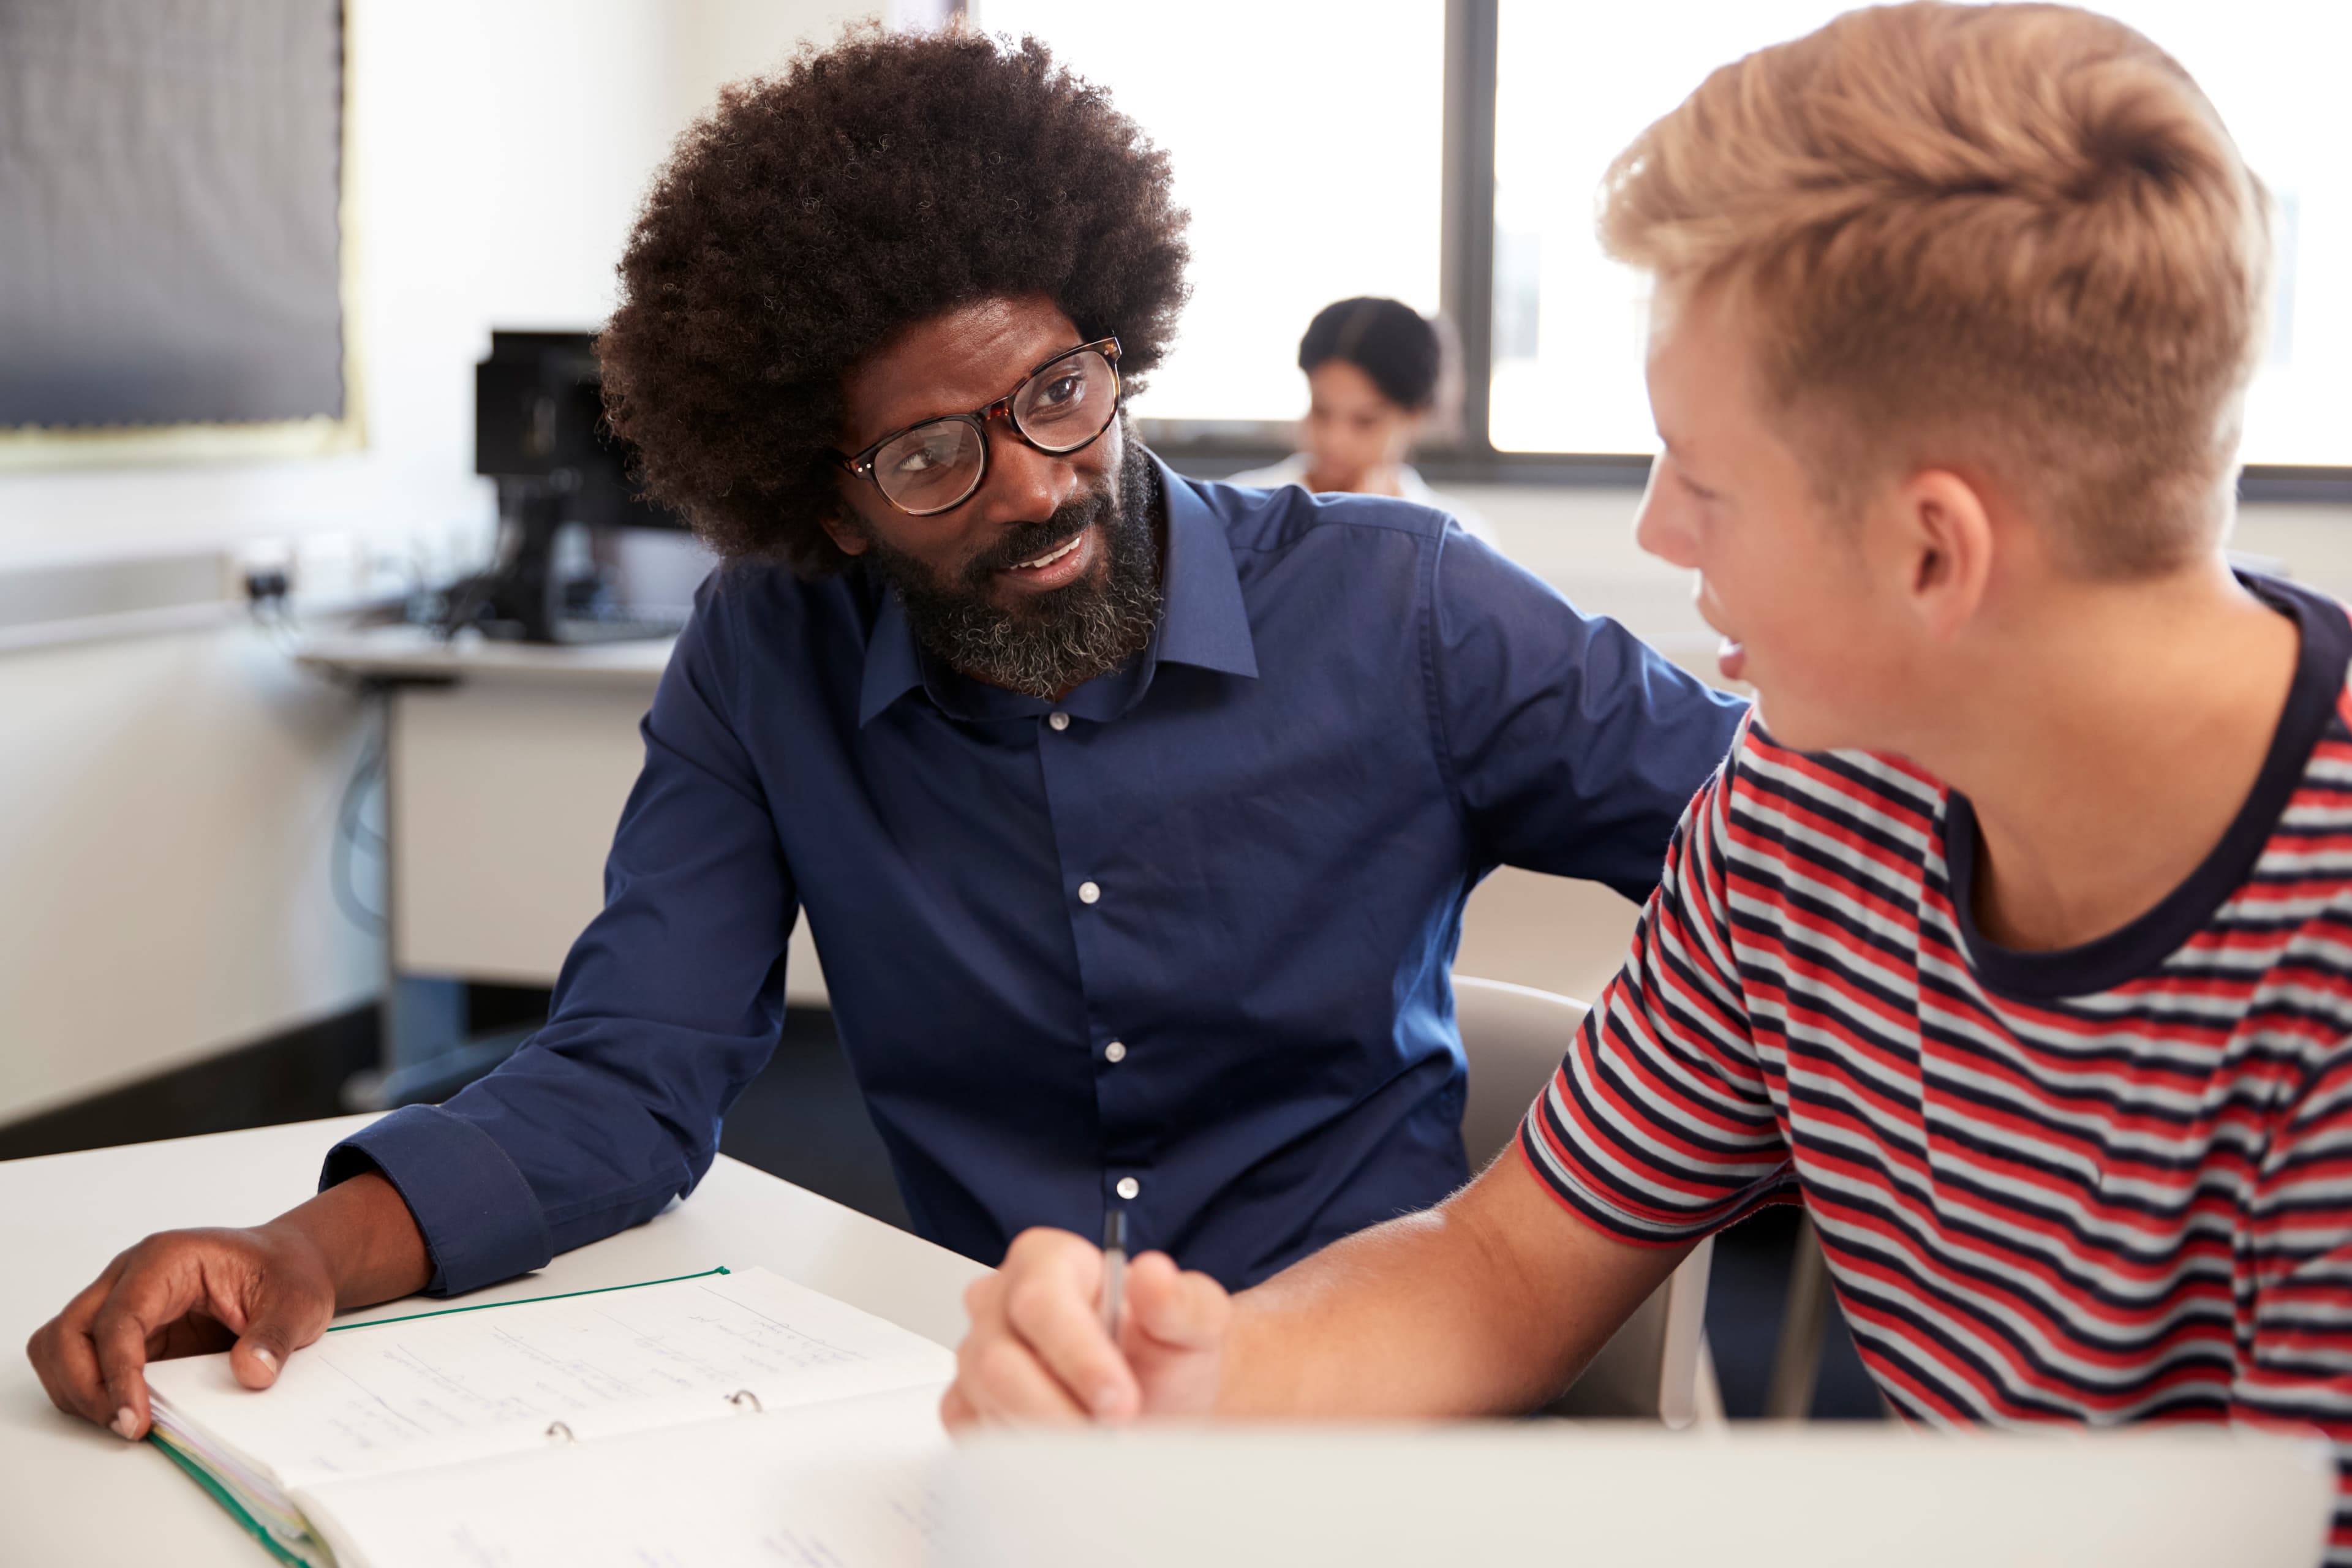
[(2014, 938)]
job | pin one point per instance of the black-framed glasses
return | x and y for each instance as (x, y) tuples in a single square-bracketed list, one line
[(1063, 405)]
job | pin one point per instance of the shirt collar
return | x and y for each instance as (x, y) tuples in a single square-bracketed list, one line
[(892, 666), (1203, 620)]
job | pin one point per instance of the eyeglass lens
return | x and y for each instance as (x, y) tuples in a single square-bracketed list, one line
[(1060, 409)]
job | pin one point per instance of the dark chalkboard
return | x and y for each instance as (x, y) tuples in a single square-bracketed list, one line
[(170, 198)]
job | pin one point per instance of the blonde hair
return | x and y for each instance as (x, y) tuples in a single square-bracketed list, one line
[(2013, 235)]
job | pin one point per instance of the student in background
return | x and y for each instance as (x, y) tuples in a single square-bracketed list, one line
[(1375, 371)]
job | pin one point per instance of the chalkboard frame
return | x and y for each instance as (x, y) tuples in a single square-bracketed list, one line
[(34, 446)]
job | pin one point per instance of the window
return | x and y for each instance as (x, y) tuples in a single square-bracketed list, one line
[(1282, 122), (1576, 83), (1327, 152)]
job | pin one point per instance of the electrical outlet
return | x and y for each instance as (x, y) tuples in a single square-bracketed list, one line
[(259, 571)]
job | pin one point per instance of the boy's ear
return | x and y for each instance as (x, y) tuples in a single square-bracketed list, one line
[(1947, 558)]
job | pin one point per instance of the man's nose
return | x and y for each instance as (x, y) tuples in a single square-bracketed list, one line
[(1024, 485)]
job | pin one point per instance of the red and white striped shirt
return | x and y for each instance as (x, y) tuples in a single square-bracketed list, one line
[(2106, 1184)]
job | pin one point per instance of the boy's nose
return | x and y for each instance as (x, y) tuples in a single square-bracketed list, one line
[(1662, 530)]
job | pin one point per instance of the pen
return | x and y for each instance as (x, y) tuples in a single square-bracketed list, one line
[(1114, 1268)]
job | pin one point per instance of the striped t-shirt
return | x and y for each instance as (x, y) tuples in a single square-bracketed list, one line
[(2106, 1184)]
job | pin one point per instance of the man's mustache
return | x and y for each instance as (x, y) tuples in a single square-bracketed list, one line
[(1030, 539)]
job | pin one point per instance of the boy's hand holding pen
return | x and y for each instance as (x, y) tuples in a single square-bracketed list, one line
[(1065, 1332)]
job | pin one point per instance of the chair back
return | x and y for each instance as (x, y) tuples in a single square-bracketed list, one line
[(1514, 1036), (1656, 1366)]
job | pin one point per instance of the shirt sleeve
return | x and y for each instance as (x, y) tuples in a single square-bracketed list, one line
[(668, 1005), (1572, 746), (1659, 1127), (2297, 1373)]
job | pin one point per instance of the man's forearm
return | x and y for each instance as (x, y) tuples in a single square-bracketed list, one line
[(1489, 1303), (373, 1247)]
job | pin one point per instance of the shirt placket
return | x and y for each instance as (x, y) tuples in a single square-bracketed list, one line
[(1079, 803)]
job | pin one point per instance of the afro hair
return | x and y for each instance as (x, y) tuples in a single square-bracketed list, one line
[(815, 214)]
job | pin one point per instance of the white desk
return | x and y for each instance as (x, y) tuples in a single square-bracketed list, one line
[(507, 767), (71, 1493)]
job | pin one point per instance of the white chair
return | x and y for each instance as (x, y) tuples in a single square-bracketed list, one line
[(1657, 1367)]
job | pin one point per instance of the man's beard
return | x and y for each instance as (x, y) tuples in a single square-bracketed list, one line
[(1055, 640)]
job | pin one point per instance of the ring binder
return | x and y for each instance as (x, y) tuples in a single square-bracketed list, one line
[(589, 1366)]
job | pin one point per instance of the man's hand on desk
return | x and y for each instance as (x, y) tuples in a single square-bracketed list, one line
[(259, 1293), (1037, 1351)]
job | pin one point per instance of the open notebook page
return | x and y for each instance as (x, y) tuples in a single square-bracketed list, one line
[(435, 1390), (845, 1485)]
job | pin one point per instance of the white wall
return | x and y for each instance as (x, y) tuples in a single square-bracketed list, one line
[(166, 803)]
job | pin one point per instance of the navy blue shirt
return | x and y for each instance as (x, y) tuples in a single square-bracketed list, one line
[(1241, 858)]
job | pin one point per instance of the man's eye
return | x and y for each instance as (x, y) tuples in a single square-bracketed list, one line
[(925, 458), (1062, 389)]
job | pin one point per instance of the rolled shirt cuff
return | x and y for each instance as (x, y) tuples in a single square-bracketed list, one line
[(480, 1220)]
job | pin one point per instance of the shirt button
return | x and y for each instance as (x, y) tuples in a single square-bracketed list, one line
[(1114, 1052), (1088, 892), (1128, 1186), (1059, 721)]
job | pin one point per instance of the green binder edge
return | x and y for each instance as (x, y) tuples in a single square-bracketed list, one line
[(222, 1495), (261, 1532), (524, 1300)]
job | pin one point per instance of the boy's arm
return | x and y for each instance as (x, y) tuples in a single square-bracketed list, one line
[(1491, 1303)]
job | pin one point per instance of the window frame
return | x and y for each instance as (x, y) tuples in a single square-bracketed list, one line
[(1214, 447)]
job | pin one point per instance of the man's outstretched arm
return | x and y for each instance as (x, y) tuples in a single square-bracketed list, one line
[(1491, 1303)]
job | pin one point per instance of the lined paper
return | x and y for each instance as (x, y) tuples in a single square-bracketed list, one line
[(845, 1485), (443, 1390)]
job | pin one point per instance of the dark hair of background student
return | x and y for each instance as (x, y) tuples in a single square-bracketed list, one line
[(1387, 340), (814, 213)]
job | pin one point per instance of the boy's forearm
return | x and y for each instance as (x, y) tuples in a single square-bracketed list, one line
[(1487, 1304), (1387, 1322)]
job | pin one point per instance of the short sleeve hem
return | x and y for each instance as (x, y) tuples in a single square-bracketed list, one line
[(1573, 1195), (1552, 1161)]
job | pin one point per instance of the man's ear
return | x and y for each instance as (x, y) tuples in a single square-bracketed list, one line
[(845, 534), (1946, 555)]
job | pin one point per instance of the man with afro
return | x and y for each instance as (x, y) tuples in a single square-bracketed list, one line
[(1135, 816)]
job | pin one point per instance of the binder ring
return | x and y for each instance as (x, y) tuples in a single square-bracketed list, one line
[(744, 1397), (558, 1429)]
